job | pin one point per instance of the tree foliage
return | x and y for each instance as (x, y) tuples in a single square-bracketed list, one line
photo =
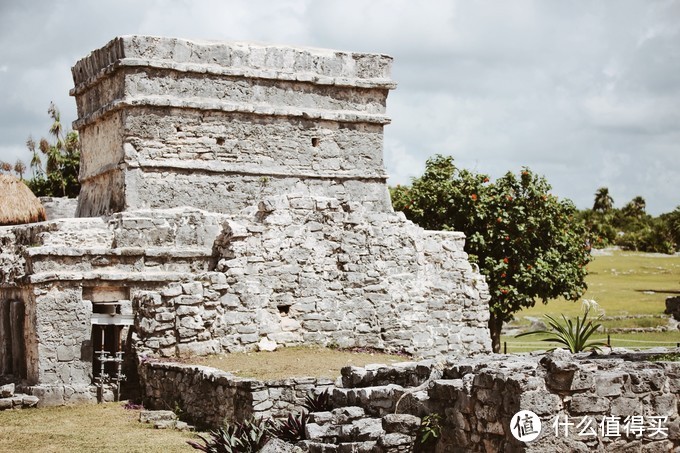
[(527, 243), (60, 176), (630, 227)]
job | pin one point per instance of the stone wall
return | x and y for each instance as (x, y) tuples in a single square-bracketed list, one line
[(310, 270), (169, 122), (59, 207), (291, 270), (476, 398), (211, 397)]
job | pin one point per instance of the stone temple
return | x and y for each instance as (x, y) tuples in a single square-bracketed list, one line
[(233, 197)]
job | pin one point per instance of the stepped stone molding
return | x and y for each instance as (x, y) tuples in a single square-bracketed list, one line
[(168, 122)]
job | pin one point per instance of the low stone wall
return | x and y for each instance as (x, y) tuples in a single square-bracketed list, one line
[(210, 397), (616, 402)]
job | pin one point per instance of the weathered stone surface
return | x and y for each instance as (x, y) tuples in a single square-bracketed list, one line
[(401, 423), (475, 408), (266, 344), (251, 117), (153, 416), (673, 307), (7, 390), (279, 446)]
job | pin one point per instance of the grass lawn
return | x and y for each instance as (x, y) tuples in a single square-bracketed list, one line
[(618, 340), (85, 428), (623, 283), (293, 362), (109, 427)]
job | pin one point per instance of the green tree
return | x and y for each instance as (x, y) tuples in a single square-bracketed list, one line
[(60, 177), (527, 243), (603, 201), (635, 208)]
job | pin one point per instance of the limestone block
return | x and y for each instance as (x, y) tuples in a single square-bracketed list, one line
[(401, 423), (29, 401), (152, 416), (582, 404), (266, 344), (7, 390)]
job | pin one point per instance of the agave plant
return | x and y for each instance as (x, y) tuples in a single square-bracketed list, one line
[(574, 335), (246, 437), (319, 402), (291, 429)]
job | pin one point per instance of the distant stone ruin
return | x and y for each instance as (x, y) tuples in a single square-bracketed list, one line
[(233, 195)]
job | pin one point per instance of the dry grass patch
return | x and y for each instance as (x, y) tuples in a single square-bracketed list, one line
[(293, 362), (85, 428)]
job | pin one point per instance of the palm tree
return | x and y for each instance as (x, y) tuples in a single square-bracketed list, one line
[(603, 201), (36, 162), (635, 207), (20, 168)]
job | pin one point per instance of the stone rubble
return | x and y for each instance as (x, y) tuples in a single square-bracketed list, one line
[(476, 398)]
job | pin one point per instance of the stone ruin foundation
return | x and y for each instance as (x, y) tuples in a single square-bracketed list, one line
[(233, 196)]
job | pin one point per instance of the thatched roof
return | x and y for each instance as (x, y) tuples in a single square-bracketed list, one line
[(17, 203)]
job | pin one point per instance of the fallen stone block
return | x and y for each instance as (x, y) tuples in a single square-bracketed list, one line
[(7, 391), (156, 416)]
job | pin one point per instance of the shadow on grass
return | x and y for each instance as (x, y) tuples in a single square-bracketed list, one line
[(659, 291)]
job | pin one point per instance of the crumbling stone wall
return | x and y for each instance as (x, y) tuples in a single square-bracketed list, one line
[(317, 271), (476, 398)]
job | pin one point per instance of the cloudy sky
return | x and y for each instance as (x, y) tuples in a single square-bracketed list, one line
[(585, 92)]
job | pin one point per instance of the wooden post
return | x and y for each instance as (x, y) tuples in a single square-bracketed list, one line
[(16, 314), (5, 339), (505, 347)]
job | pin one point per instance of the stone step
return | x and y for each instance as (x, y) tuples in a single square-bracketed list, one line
[(18, 401), (405, 374)]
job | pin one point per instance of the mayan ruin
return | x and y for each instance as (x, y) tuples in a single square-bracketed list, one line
[(232, 195), (234, 198)]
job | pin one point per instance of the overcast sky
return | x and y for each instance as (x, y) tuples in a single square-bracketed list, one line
[(586, 93)]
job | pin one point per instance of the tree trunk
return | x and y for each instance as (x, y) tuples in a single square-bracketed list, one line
[(495, 327)]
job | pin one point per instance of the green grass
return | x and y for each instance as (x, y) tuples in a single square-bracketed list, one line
[(293, 361), (624, 283), (85, 428), (618, 340), (648, 321)]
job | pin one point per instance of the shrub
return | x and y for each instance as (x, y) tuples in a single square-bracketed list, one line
[(574, 336), (247, 437), (291, 429), (318, 402)]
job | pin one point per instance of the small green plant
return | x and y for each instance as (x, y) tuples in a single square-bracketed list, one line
[(667, 357), (319, 402), (291, 429), (574, 335), (247, 437), (430, 429)]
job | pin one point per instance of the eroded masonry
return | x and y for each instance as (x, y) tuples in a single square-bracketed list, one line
[(233, 197)]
